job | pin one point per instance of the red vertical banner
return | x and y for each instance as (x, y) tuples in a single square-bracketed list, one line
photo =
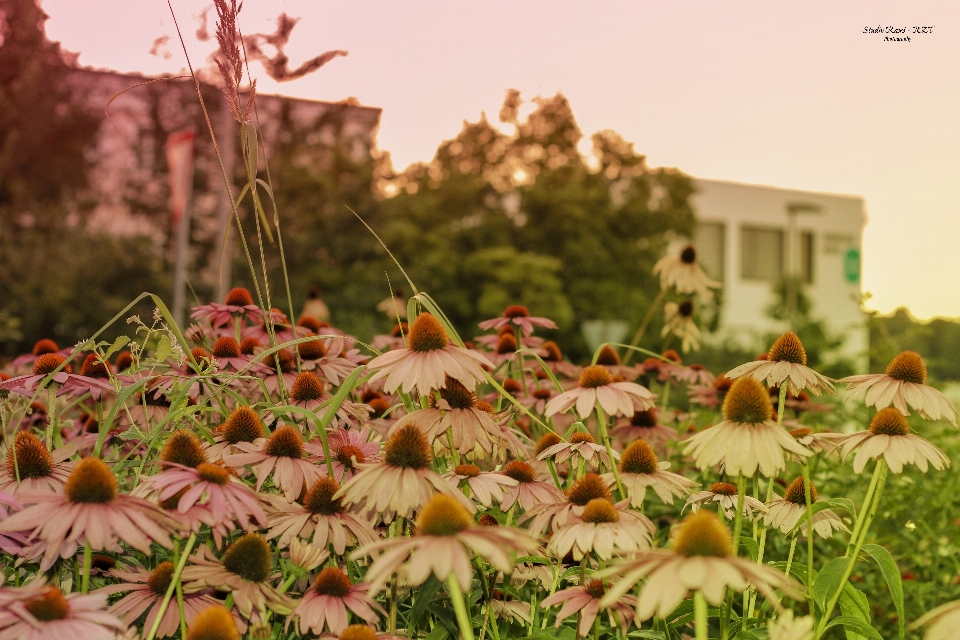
[(180, 164)]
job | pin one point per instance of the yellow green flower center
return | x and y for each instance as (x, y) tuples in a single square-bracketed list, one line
[(747, 402), (908, 366), (788, 348), (91, 482), (443, 516), (249, 558), (639, 458), (702, 534), (600, 510), (594, 376), (889, 422), (427, 334), (587, 488)]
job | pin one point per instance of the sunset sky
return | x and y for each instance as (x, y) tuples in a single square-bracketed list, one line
[(791, 94)]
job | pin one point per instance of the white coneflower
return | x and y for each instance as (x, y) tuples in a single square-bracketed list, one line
[(682, 273), (678, 320), (598, 388), (724, 495), (889, 436), (786, 362), (784, 513), (640, 470)]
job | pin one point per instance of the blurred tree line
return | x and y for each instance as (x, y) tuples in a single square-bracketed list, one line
[(937, 340)]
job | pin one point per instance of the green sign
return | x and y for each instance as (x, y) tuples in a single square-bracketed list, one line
[(851, 265)]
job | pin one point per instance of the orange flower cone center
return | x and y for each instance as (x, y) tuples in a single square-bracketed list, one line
[(427, 334)]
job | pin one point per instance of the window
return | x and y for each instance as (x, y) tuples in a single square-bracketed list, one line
[(709, 241), (761, 254), (806, 257)]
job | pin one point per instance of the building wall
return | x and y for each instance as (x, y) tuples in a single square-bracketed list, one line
[(833, 265)]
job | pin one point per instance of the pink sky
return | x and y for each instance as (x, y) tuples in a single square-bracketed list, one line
[(791, 94)]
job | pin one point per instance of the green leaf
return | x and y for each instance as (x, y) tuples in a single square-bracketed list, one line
[(118, 344), (828, 579), (424, 598), (438, 633), (857, 625), (833, 503), (751, 546), (563, 633), (891, 573), (163, 348)]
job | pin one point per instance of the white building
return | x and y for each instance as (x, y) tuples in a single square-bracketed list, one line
[(750, 236)]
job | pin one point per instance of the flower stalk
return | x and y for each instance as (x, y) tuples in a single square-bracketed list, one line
[(460, 608)]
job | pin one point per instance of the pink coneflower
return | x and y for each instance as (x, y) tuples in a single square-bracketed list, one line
[(245, 571), (491, 340), (818, 442), (39, 470), (40, 348), (585, 600), (238, 304), (213, 487), (91, 508), (786, 362), (609, 359), (681, 272), (282, 331), (784, 513), (321, 518), (724, 495), (428, 360), (327, 601), (48, 613), (529, 490), (640, 470), (504, 606), (904, 384), (11, 543), (65, 381), (699, 559), (746, 439), (276, 367), (597, 388), (581, 446), (520, 317), (349, 448), (402, 483), (145, 591), (710, 395), (307, 391), (474, 431), (889, 436), (291, 461), (226, 352), (242, 425), (486, 487), (332, 357), (602, 529), (392, 340), (444, 538), (644, 425), (555, 515)]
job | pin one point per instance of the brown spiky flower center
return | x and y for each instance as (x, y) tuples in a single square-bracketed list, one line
[(908, 366), (160, 578), (281, 362), (312, 349), (249, 558), (511, 386), (516, 311), (358, 632), (688, 255), (457, 395), (226, 347), (408, 448), (243, 425), (213, 623), (306, 387), (646, 418), (487, 520), (378, 406), (332, 581), (542, 394), (91, 482), (94, 367), (639, 458), (32, 458), (599, 511), (553, 351), (608, 356), (311, 323), (594, 376), (889, 422), (45, 346), (183, 448), (587, 488), (788, 348), (213, 473), (595, 589), (248, 345), (702, 534), (800, 432), (507, 343), (238, 297), (443, 516), (520, 471), (747, 402), (723, 489), (347, 453), (48, 363), (285, 442), (546, 441), (319, 499), (427, 334), (48, 605), (582, 436), (795, 493), (469, 470)]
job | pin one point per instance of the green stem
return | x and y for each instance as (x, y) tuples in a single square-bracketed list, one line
[(602, 425), (700, 615), (867, 500), (87, 559), (808, 498), (460, 608), (183, 617), (793, 547), (51, 413), (867, 514), (643, 326), (737, 529), (174, 580)]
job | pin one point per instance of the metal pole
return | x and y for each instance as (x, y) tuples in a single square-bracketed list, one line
[(182, 249)]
